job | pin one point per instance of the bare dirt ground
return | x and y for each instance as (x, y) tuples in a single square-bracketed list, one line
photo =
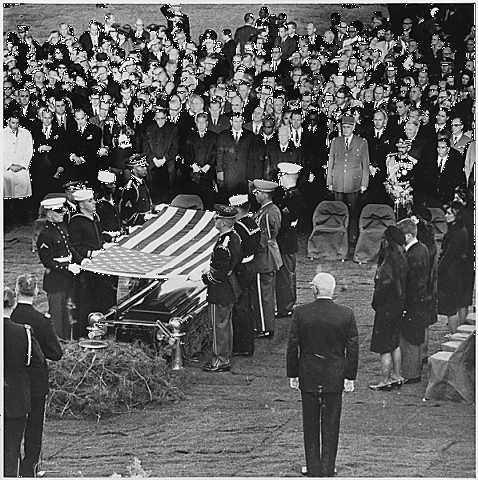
[(247, 422)]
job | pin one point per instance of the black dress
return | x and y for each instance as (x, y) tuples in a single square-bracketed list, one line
[(388, 303)]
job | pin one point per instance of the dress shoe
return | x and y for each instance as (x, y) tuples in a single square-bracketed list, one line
[(242, 354), (221, 368), (266, 334), (410, 381), (386, 387), (305, 472), (397, 383)]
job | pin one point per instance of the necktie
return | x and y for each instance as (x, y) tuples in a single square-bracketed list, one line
[(346, 143), (296, 137), (455, 139), (236, 137), (379, 134)]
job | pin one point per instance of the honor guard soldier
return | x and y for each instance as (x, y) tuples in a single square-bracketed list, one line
[(222, 287), (60, 259), (135, 204), (267, 260), (243, 319), (92, 289), (70, 188), (290, 202), (106, 208)]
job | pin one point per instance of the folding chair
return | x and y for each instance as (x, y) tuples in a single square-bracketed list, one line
[(329, 238), (374, 219)]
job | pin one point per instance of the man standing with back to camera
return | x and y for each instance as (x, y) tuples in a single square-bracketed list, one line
[(322, 361)]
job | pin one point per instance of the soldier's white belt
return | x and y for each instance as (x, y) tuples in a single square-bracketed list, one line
[(248, 259), (125, 146), (63, 259), (113, 233)]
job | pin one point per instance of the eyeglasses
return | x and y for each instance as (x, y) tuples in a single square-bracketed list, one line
[(456, 124)]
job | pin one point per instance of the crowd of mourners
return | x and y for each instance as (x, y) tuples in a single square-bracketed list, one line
[(269, 117)]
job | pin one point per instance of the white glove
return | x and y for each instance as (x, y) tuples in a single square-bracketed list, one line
[(373, 170), (348, 385), (294, 383), (74, 268), (206, 168), (311, 177), (95, 253), (85, 261), (195, 168), (148, 216)]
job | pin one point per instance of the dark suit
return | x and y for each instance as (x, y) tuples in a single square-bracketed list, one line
[(257, 156), (450, 177), (44, 164), (203, 151), (222, 123), (38, 376), (16, 389), (84, 145), (87, 43), (322, 351), (378, 149), (243, 34), (232, 160), (412, 333), (275, 155), (288, 46), (159, 143)]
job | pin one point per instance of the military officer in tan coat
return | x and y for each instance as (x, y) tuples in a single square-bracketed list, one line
[(348, 171)]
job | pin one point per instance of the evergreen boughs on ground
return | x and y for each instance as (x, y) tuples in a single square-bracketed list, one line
[(103, 382)]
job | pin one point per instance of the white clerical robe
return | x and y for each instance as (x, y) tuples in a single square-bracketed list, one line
[(17, 150)]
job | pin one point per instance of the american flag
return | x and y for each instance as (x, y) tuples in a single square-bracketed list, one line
[(177, 242)]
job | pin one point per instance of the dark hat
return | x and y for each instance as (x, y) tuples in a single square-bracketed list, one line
[(123, 31), (265, 185), (152, 27), (101, 57), (225, 211), (403, 143), (74, 185), (137, 160), (348, 120), (395, 234), (420, 211)]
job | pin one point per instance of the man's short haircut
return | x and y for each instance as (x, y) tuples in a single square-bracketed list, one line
[(324, 283), (407, 226), (27, 285)]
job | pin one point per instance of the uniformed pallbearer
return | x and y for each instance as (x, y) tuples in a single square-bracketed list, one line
[(243, 314), (223, 288), (135, 204), (267, 260), (59, 257), (290, 202)]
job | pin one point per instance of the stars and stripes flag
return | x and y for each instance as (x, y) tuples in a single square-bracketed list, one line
[(176, 242)]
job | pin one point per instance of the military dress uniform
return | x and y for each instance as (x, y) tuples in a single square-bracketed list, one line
[(110, 219), (267, 262), (291, 204), (56, 253), (135, 202), (243, 313), (91, 288), (222, 292)]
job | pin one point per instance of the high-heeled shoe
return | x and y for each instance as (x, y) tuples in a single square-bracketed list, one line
[(381, 386)]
